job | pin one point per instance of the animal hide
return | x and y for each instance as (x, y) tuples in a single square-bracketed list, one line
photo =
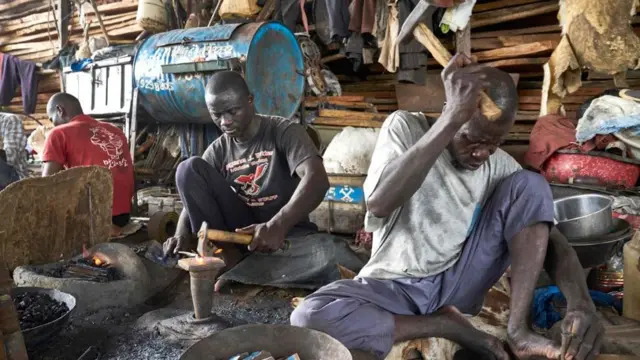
[(597, 35)]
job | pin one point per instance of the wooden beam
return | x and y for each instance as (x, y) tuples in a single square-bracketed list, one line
[(328, 121), (529, 38), (518, 62), (63, 22), (523, 31), (354, 115), (500, 4), (514, 13), (463, 41), (535, 48)]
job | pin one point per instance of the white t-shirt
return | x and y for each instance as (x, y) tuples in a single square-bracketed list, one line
[(425, 236)]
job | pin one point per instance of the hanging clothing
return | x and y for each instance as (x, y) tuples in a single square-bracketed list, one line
[(332, 20), (390, 54), (413, 55), (16, 72), (363, 17), (408, 60)]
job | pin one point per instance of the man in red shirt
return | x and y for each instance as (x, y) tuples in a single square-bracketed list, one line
[(80, 140)]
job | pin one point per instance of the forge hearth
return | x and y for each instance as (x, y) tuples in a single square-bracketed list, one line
[(107, 275)]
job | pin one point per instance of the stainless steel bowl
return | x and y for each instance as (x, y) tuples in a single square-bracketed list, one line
[(596, 251), (584, 216)]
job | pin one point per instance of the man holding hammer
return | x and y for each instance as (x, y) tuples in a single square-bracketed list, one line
[(449, 212), (262, 177)]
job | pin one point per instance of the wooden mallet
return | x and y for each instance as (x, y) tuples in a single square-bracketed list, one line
[(207, 237), (425, 36)]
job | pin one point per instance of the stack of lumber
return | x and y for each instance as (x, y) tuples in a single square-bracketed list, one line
[(28, 31), (362, 104)]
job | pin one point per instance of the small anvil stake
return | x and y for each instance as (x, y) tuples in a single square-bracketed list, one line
[(207, 237)]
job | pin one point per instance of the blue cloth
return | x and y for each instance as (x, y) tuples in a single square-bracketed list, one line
[(80, 64), (545, 316), (607, 115)]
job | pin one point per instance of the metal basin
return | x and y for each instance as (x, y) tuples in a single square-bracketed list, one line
[(279, 340), (596, 251), (39, 334), (584, 216)]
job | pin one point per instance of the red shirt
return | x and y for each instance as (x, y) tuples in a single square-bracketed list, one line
[(85, 141)]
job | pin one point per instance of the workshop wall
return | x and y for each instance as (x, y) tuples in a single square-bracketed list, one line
[(28, 31)]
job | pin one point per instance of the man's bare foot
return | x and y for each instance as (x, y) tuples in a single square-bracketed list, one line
[(467, 336), (526, 344)]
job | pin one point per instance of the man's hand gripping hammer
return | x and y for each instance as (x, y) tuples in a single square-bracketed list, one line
[(207, 238)]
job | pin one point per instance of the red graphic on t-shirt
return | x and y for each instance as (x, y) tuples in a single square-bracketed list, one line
[(248, 182)]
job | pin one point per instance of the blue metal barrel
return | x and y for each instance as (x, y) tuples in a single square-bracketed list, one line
[(171, 69)]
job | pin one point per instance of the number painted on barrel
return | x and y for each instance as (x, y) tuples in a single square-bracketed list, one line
[(156, 85)]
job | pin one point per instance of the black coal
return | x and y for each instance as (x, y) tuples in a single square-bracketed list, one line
[(35, 309)]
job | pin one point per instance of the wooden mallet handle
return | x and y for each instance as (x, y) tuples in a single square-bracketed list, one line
[(234, 238), (229, 237), (426, 37)]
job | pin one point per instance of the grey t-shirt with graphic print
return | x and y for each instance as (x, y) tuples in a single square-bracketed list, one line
[(262, 170), (425, 236)]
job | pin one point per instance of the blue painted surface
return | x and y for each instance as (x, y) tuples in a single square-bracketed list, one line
[(273, 65), (345, 193)]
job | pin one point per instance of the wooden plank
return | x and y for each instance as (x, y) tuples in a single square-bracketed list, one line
[(517, 62), (327, 121), (23, 30), (370, 86), (371, 94), (571, 99), (535, 48), (463, 41), (16, 3), (514, 13), (523, 39), (115, 8), (25, 13), (337, 98), (354, 115), (486, 43), (428, 98), (523, 31), (500, 4), (346, 104), (63, 12)]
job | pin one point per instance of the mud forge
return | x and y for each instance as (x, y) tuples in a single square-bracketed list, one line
[(129, 307)]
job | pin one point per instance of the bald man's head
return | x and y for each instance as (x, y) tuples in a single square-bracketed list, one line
[(479, 137), (230, 103), (63, 107)]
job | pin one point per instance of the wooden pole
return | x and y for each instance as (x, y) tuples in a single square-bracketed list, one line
[(13, 343), (463, 41), (63, 21)]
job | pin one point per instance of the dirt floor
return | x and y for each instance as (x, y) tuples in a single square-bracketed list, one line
[(111, 334)]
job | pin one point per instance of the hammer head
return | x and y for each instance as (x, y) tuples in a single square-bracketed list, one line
[(417, 14), (205, 247)]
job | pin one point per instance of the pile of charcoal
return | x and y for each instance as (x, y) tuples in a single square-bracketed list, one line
[(35, 309), (262, 355)]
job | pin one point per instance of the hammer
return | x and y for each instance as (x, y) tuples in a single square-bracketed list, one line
[(207, 236), (425, 36)]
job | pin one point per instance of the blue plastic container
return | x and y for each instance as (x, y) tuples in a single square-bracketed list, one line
[(171, 69)]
